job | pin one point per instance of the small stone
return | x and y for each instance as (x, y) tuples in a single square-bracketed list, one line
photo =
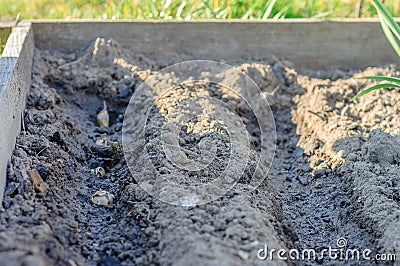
[(207, 228), (228, 179), (11, 189), (318, 173), (123, 90), (44, 172), (117, 128), (333, 125), (243, 255), (318, 185), (367, 107), (345, 111), (163, 170), (304, 180), (326, 219)]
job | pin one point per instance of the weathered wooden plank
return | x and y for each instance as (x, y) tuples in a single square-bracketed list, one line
[(15, 76), (8, 21), (314, 44)]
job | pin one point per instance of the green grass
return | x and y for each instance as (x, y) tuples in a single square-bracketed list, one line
[(4, 32), (190, 9)]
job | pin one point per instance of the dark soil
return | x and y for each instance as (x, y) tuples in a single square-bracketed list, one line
[(336, 171)]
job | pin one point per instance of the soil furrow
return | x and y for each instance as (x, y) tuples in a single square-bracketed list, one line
[(335, 174), (313, 201)]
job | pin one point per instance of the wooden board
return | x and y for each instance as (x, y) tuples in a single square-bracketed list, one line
[(15, 77), (309, 43)]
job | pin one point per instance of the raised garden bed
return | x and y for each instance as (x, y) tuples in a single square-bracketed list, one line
[(335, 174)]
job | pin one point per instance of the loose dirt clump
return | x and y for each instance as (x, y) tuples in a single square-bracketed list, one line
[(335, 174)]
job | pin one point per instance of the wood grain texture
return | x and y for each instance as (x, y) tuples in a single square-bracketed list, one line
[(15, 77), (313, 44)]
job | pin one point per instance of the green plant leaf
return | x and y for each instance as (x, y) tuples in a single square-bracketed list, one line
[(391, 30), (389, 25), (383, 78), (387, 16), (389, 35), (376, 87)]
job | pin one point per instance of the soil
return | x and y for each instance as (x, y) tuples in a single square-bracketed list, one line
[(335, 173)]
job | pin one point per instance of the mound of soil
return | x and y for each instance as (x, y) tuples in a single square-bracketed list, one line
[(335, 173)]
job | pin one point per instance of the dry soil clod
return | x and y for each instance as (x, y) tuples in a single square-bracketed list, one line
[(103, 197), (103, 119), (38, 182)]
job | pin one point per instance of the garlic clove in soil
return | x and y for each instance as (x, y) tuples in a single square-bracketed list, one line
[(103, 119), (103, 197)]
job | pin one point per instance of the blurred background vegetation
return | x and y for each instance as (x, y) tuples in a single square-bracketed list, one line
[(189, 9), (192, 9)]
